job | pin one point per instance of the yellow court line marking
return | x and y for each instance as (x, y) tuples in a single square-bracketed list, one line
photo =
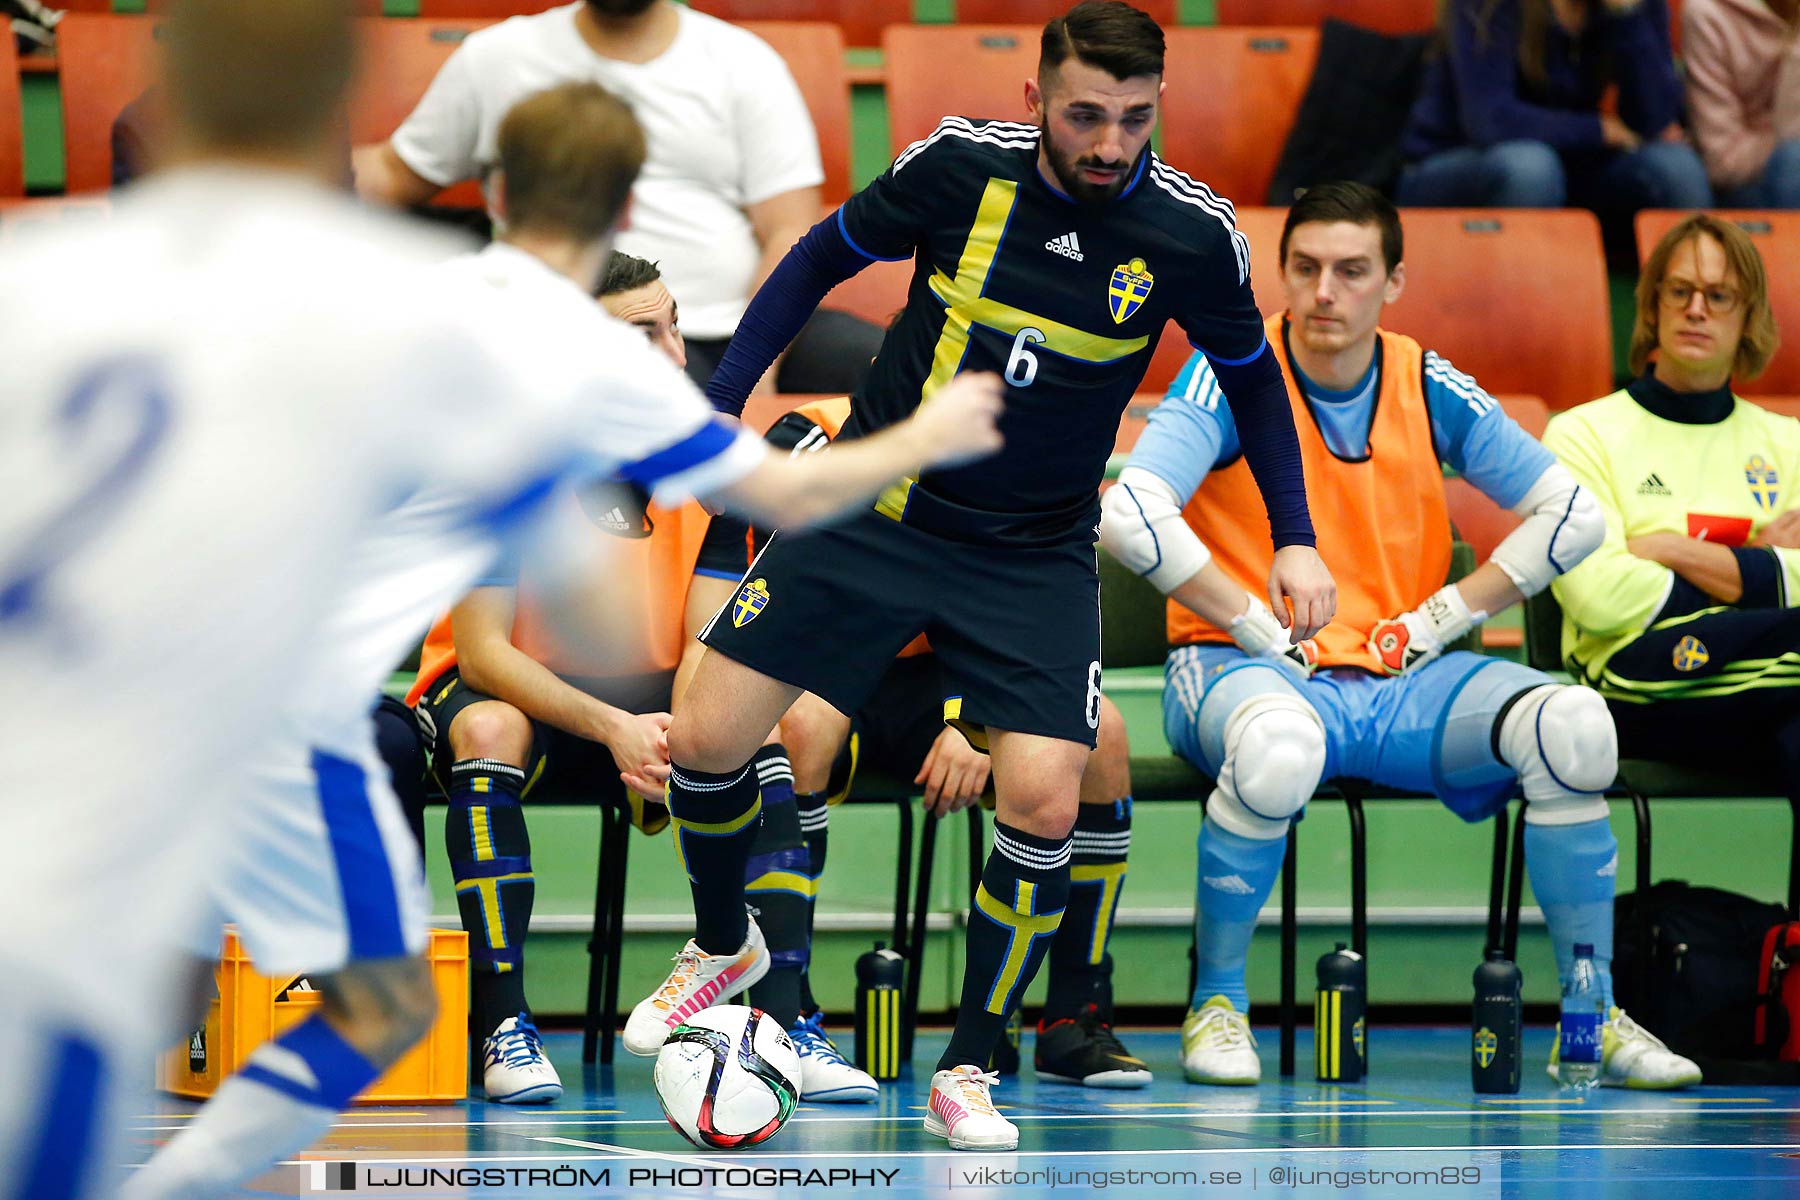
[(1557, 1100), (1337, 1103)]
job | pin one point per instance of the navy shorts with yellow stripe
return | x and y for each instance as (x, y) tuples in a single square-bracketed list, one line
[(1016, 629)]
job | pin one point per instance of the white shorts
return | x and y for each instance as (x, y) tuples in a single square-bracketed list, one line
[(323, 867)]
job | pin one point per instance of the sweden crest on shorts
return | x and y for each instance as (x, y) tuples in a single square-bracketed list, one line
[(751, 599), (1131, 284), (1690, 654), (1765, 484)]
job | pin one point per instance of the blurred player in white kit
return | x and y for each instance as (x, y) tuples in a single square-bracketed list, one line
[(209, 401)]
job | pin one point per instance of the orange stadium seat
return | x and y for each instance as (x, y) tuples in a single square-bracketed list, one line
[(963, 70), (861, 20), (12, 130), (997, 12), (105, 65), (814, 53), (481, 10), (367, 8), (1775, 234), (401, 57), (1388, 16), (1228, 126), (1514, 297)]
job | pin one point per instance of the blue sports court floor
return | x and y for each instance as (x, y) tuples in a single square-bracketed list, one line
[(1414, 1129)]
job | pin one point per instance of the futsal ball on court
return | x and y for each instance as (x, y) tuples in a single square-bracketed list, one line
[(728, 1077)]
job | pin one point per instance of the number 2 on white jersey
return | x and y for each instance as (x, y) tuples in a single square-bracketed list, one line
[(127, 392)]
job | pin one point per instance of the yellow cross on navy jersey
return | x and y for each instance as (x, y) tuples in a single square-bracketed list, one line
[(1064, 301)]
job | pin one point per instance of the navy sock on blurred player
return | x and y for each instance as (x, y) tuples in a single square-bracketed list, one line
[(490, 859), (815, 827)]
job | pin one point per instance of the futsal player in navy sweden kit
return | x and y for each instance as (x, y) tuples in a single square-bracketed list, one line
[(1054, 253)]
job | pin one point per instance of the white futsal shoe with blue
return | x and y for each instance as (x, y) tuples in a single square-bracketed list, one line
[(514, 1068), (826, 1077)]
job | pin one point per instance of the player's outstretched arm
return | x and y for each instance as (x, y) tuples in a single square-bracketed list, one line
[(958, 424)]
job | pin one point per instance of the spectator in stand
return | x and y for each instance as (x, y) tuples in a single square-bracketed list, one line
[(1743, 84), (1511, 116), (731, 183)]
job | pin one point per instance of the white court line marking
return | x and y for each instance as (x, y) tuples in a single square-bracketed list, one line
[(1720, 1099), (973, 1157), (1199, 1114), (685, 1160)]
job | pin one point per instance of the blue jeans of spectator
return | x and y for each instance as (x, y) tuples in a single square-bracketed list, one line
[(1529, 174), (1779, 186)]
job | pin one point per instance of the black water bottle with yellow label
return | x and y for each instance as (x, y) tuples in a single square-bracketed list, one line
[(880, 982), (1339, 1005), (1496, 1029)]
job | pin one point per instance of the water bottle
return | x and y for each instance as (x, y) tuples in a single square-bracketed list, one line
[(1497, 1026), (1583, 1012), (1339, 1005), (880, 979)]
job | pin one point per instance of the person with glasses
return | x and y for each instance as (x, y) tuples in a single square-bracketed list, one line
[(1685, 618)]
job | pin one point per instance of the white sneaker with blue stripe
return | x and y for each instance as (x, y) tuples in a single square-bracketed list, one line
[(826, 1077), (514, 1069)]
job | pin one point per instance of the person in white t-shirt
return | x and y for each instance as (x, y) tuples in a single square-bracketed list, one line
[(732, 178)]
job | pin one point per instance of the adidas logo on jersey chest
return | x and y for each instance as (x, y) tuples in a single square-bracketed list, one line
[(1068, 245), (1653, 486)]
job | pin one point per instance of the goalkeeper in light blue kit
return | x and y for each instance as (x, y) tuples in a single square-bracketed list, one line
[(1375, 696)]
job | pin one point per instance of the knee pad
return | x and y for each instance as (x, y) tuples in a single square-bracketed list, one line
[(1561, 741), (1274, 756)]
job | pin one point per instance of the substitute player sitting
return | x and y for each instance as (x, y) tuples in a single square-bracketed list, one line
[(901, 730), (996, 565), (1685, 618), (776, 878), (1376, 696)]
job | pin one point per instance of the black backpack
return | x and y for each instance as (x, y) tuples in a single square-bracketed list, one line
[(1691, 979)]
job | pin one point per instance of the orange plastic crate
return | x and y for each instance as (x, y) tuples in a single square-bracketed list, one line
[(252, 1008)]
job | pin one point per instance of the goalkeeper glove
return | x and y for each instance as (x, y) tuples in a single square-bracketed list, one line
[(1258, 634), (1414, 638)]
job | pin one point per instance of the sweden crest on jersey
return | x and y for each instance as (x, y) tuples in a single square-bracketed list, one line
[(1131, 284), (752, 598), (1765, 483)]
